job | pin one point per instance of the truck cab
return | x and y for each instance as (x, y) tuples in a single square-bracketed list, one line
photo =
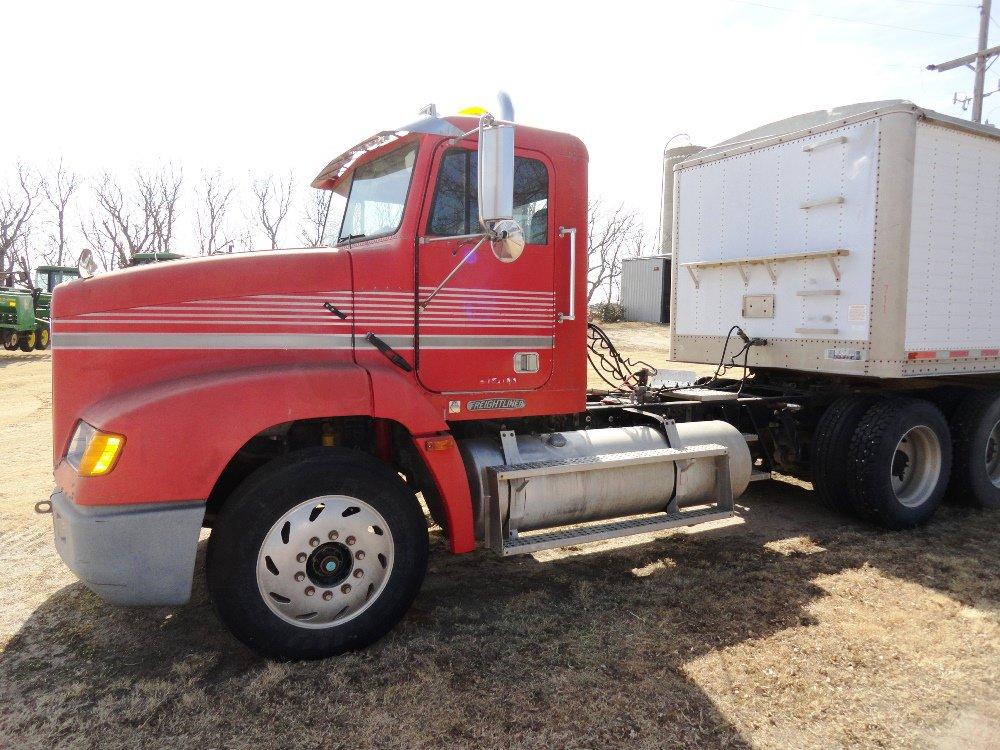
[(297, 402)]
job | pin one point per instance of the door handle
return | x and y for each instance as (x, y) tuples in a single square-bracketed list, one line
[(571, 315)]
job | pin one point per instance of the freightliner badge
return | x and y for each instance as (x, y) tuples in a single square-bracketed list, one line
[(488, 404)]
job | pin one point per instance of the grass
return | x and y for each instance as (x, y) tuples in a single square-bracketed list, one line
[(797, 628)]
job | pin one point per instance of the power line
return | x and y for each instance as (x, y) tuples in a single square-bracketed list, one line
[(850, 20), (940, 5)]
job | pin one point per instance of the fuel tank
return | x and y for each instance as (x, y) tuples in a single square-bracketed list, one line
[(563, 499)]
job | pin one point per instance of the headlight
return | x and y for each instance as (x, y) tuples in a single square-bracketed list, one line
[(93, 452)]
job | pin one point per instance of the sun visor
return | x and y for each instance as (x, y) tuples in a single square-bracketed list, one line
[(332, 173)]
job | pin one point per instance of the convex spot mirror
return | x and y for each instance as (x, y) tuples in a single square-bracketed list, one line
[(507, 241)]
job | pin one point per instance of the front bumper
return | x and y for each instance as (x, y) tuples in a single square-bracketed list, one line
[(131, 554)]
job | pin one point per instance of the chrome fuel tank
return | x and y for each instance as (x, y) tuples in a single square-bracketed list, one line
[(563, 499)]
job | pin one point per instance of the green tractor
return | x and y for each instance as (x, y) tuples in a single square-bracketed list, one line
[(24, 310), (143, 258)]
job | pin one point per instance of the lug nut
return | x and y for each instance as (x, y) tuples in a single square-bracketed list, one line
[(327, 596), (300, 576), (301, 557), (345, 589), (359, 573), (310, 591), (332, 535), (314, 542), (360, 554), (351, 540)]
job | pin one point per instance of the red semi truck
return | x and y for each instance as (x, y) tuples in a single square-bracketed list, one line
[(295, 402)]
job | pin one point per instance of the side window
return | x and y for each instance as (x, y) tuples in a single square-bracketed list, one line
[(456, 202)]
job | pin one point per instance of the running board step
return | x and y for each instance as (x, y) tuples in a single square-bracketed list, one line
[(533, 542)]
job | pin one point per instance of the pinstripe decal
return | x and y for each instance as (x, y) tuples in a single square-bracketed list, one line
[(284, 341)]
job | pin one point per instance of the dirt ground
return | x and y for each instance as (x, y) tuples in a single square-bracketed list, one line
[(795, 628)]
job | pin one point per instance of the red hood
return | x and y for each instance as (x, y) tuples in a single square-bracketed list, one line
[(219, 276)]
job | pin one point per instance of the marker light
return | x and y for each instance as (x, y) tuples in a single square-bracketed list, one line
[(93, 452)]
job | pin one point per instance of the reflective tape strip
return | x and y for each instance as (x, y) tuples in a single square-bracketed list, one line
[(284, 341), (953, 354)]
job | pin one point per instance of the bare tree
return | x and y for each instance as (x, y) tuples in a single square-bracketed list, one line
[(159, 192), (17, 206), (126, 223), (273, 200), (214, 197), (58, 192), (612, 236), (316, 230)]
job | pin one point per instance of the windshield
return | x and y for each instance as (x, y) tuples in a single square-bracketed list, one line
[(378, 195)]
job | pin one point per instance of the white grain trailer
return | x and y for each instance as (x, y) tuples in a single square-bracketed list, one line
[(851, 258)]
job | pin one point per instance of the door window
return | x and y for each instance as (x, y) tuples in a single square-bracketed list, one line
[(455, 209)]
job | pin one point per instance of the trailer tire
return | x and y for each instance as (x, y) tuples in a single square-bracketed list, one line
[(900, 457), (26, 341), (829, 461), (42, 339), (270, 537), (975, 431)]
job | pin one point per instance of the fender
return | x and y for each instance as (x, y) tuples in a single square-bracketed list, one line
[(180, 434)]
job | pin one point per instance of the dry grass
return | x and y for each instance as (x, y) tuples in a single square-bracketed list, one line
[(795, 629)]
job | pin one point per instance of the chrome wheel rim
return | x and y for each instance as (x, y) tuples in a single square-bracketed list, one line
[(993, 455), (325, 561), (916, 466)]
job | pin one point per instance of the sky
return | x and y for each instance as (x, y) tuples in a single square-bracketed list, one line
[(287, 86)]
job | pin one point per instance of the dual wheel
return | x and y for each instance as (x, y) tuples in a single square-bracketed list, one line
[(317, 553), (891, 460)]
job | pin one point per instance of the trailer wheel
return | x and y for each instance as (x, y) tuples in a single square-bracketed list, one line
[(901, 459), (26, 341), (975, 429), (42, 339), (316, 553), (830, 447)]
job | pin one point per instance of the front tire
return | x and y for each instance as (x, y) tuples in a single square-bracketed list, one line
[(975, 429), (900, 456), (317, 553)]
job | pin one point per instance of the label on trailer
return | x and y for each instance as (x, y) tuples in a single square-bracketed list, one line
[(852, 355), (488, 404)]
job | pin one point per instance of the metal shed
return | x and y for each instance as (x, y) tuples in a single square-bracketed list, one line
[(646, 288)]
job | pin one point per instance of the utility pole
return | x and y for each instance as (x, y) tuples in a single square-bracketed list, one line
[(980, 58)]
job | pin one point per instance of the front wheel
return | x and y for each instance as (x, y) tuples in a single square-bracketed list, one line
[(317, 553), (9, 339)]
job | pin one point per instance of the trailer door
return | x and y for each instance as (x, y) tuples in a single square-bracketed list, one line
[(491, 327)]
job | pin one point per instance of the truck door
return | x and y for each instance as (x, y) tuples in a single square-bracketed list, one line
[(491, 327)]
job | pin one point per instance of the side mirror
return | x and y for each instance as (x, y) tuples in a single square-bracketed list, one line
[(86, 265), (496, 171)]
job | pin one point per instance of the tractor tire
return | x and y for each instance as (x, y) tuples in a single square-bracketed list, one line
[(9, 340), (975, 431), (316, 553), (42, 339), (830, 447), (900, 462), (26, 341)]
